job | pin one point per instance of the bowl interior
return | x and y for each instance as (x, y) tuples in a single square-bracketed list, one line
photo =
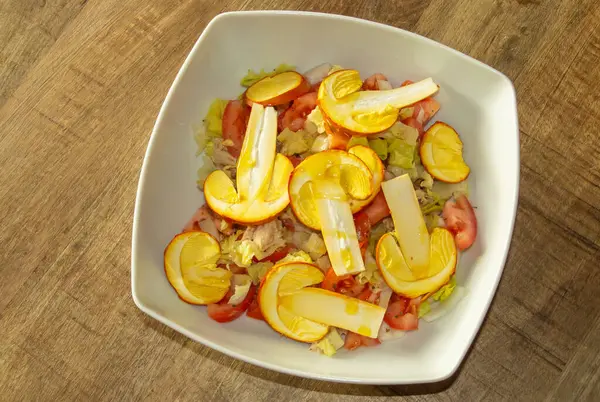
[(476, 100)]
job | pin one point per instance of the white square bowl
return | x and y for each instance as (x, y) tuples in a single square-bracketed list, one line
[(478, 101)]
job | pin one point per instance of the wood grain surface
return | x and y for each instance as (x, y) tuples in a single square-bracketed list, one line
[(81, 83)]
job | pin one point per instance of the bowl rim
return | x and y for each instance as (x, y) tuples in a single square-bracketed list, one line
[(143, 177)]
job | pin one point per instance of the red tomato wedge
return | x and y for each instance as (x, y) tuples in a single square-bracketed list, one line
[(362, 223), (235, 121), (423, 111), (345, 284), (295, 160), (460, 219), (254, 310), (337, 138), (354, 341), (225, 312), (377, 209), (400, 315), (369, 296), (371, 84), (294, 117), (414, 123)]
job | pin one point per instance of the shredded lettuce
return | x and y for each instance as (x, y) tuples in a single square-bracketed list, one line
[(300, 256), (294, 142), (241, 286), (213, 121), (399, 130), (435, 205), (357, 141), (401, 153), (376, 232), (447, 190), (445, 291), (427, 182), (243, 252), (371, 273), (398, 171), (433, 220), (259, 270), (315, 246), (251, 77), (207, 168), (432, 207), (380, 146), (316, 117), (424, 308), (330, 344), (240, 252), (406, 112)]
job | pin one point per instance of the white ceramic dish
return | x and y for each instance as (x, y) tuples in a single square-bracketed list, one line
[(476, 99)]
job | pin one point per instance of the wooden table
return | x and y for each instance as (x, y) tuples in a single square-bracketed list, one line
[(81, 85)]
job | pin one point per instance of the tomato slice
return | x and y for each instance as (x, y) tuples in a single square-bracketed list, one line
[(423, 111), (362, 223), (460, 219), (400, 315), (369, 296), (225, 312), (295, 160), (345, 284), (295, 116), (377, 209), (235, 120), (412, 122), (254, 309), (354, 341), (371, 84)]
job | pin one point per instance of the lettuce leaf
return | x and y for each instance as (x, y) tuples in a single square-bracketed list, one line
[(330, 344), (315, 246), (213, 121), (357, 141), (427, 182), (316, 117), (376, 232), (447, 190), (240, 252), (398, 171), (445, 291), (251, 77), (380, 146), (424, 308), (399, 130), (241, 287), (401, 153), (207, 168), (300, 256), (259, 270), (371, 273), (294, 142)]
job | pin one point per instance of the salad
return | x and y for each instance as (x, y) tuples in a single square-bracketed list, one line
[(336, 208)]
